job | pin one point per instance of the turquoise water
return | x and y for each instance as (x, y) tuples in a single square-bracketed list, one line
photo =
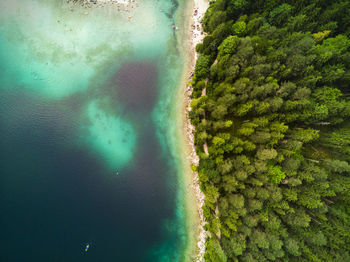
[(88, 143)]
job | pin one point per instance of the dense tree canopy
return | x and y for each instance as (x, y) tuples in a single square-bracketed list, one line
[(275, 119)]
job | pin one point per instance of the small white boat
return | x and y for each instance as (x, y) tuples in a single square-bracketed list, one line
[(87, 247)]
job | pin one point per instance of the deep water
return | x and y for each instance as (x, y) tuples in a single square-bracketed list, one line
[(88, 151)]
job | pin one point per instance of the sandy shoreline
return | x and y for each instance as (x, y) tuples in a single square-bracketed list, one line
[(123, 6), (94, 2), (196, 36)]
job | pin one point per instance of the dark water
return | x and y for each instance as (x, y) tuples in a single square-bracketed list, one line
[(57, 195)]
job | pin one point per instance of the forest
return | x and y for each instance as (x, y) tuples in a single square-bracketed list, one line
[(271, 109)]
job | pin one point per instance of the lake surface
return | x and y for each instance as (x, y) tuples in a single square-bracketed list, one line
[(88, 142)]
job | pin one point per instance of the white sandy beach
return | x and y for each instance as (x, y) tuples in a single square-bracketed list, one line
[(107, 1)]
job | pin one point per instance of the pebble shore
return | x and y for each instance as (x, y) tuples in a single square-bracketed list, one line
[(200, 6)]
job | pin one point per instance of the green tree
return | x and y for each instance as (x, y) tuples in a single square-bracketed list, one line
[(202, 67), (280, 14), (239, 28), (228, 46)]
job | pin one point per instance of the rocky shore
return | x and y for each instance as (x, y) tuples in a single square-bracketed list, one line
[(200, 6)]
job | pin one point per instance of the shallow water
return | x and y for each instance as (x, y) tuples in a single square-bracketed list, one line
[(87, 133)]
